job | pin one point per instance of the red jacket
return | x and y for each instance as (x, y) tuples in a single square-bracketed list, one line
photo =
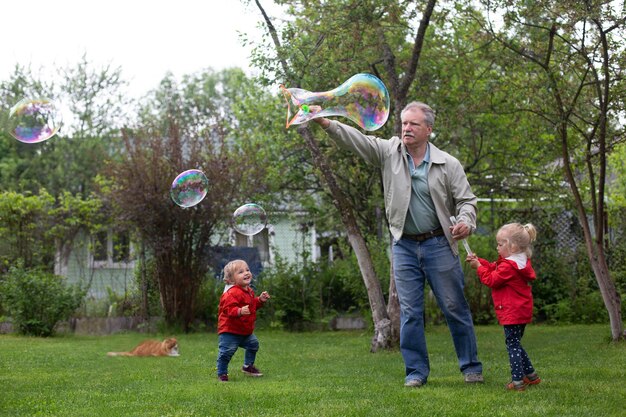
[(231, 302), (510, 289)]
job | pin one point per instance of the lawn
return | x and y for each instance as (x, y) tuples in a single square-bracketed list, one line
[(309, 374)]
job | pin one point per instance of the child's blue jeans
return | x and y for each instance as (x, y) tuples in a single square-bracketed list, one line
[(228, 344)]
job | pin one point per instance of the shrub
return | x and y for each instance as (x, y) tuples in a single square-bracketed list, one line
[(207, 302), (148, 288), (294, 290), (37, 300), (478, 295), (588, 309), (307, 296)]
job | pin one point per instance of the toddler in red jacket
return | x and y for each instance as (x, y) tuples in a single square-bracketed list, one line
[(509, 278), (236, 318)]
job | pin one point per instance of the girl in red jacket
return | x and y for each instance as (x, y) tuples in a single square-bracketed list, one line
[(509, 279), (236, 317)]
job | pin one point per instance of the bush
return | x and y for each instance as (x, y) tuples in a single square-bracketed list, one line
[(587, 309), (37, 300), (478, 295), (207, 302), (148, 287), (295, 303)]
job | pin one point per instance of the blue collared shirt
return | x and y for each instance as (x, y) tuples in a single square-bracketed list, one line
[(422, 216)]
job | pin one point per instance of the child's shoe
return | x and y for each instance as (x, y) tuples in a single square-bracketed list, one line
[(532, 379), (516, 385), (223, 378), (251, 370)]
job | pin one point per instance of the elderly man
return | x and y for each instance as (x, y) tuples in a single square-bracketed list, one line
[(423, 187)]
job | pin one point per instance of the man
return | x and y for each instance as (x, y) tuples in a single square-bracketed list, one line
[(423, 187)]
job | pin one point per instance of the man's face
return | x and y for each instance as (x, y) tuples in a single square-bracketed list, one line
[(414, 128)]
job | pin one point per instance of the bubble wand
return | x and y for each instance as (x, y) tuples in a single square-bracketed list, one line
[(465, 244)]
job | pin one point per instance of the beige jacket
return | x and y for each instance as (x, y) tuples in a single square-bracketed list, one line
[(447, 181)]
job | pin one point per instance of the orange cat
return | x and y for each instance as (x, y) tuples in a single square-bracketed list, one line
[(168, 347)]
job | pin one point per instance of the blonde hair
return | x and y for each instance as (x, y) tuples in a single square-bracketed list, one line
[(230, 268), (520, 236)]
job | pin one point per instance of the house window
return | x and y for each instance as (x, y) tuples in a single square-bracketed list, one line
[(111, 249), (100, 247), (260, 241), (121, 247)]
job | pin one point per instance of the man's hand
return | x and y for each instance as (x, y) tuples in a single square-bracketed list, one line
[(322, 121), (460, 231), (245, 311)]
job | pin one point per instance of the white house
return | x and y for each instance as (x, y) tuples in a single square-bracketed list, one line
[(107, 261)]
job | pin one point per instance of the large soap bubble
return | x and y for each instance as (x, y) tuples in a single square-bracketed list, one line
[(33, 121), (249, 219), (189, 188), (363, 98)]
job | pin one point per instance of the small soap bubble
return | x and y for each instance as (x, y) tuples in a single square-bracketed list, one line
[(34, 120), (249, 219), (189, 188)]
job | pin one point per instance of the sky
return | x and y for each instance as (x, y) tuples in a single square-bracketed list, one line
[(145, 38)]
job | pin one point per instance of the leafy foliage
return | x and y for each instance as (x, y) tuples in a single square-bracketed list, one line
[(33, 227), (37, 300), (308, 295), (183, 127), (71, 160)]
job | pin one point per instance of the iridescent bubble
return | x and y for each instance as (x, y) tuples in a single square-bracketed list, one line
[(363, 98), (249, 219), (189, 188), (33, 121)]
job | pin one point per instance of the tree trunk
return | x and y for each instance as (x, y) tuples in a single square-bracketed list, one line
[(609, 293), (144, 283), (382, 338), (597, 259), (594, 247)]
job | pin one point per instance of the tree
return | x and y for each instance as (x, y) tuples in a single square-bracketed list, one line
[(340, 32), (34, 226), (575, 70), (89, 134), (471, 89), (24, 221), (182, 127)]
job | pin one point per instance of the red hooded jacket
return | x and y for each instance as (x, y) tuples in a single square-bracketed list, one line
[(510, 289), (231, 302)]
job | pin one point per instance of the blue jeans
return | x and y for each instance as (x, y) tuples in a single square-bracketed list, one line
[(432, 260), (228, 344)]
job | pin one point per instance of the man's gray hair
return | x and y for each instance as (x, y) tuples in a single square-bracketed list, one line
[(429, 113)]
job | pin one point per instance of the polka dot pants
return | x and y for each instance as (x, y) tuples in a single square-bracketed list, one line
[(520, 363)]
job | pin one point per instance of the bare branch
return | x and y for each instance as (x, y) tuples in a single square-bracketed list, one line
[(274, 34)]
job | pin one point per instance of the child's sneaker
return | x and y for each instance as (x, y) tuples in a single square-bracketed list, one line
[(532, 379), (516, 385), (251, 370), (223, 378)]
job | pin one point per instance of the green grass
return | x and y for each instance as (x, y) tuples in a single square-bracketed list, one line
[(309, 374)]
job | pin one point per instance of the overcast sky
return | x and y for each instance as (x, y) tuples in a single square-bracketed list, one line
[(146, 38)]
